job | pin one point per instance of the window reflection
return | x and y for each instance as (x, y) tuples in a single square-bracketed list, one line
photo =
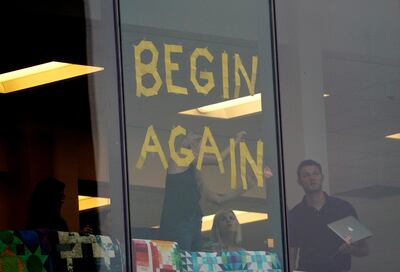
[(49, 140)]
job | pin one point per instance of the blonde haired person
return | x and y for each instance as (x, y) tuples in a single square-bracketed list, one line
[(226, 232)]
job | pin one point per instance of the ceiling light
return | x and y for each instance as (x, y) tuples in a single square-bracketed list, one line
[(326, 95), (230, 108), (42, 74), (242, 216), (395, 136), (89, 202)]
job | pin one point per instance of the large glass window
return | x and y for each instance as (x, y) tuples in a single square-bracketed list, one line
[(339, 75), (201, 124), (197, 125)]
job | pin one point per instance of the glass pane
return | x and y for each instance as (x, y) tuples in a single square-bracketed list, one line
[(60, 154), (339, 75), (201, 124)]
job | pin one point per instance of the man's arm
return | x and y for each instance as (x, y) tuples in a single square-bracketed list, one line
[(360, 249), (211, 159), (222, 198), (357, 249)]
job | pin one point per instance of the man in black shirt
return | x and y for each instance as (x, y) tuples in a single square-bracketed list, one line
[(313, 246)]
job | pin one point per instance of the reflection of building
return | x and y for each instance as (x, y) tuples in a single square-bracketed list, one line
[(71, 129)]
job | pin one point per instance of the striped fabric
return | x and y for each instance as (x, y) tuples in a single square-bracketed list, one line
[(155, 256)]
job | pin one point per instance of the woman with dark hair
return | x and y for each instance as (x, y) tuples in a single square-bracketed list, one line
[(45, 205)]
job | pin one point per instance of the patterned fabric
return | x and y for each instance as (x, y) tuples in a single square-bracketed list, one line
[(20, 251), (239, 261), (200, 261), (53, 251), (155, 256), (85, 253)]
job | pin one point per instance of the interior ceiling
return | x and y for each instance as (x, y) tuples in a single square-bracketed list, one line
[(361, 71), (373, 192), (363, 108)]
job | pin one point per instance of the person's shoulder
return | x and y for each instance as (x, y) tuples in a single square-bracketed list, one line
[(342, 205), (296, 210), (339, 201)]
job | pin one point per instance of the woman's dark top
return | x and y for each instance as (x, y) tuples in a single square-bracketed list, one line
[(182, 197), (48, 222)]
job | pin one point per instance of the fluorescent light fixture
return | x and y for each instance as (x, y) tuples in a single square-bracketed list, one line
[(326, 95), (42, 74), (242, 216), (89, 202), (230, 108), (395, 136)]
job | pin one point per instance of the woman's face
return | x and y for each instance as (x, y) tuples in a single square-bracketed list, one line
[(58, 199), (228, 222)]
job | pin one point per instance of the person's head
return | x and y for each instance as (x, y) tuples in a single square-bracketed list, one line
[(48, 194), (309, 176), (190, 139), (225, 222)]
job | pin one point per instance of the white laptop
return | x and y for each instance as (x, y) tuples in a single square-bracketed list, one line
[(350, 226)]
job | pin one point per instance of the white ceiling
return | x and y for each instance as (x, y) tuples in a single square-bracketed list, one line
[(359, 43), (359, 46), (361, 71), (364, 106)]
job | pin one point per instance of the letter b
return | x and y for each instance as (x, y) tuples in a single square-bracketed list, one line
[(142, 69)]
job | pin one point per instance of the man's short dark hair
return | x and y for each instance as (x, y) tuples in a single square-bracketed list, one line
[(308, 163)]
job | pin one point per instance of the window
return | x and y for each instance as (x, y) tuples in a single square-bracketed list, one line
[(339, 76), (201, 123), (60, 123)]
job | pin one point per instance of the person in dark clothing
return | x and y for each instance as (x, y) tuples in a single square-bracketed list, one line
[(313, 246), (181, 215), (45, 204)]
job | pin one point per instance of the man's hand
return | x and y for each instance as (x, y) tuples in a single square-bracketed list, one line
[(346, 248), (357, 249)]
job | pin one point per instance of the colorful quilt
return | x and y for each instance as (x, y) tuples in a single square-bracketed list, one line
[(155, 256), (53, 251), (20, 251), (87, 253), (239, 261)]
